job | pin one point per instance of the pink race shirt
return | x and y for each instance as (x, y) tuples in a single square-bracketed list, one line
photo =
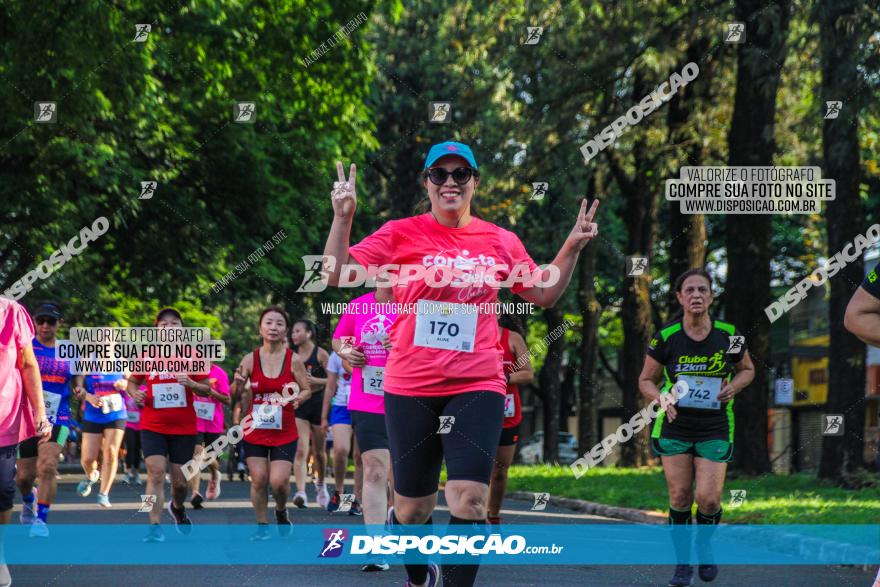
[(133, 411), (448, 316), (367, 321), (16, 332), (220, 383)]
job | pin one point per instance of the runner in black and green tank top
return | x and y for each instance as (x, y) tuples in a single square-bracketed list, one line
[(706, 366), (694, 434)]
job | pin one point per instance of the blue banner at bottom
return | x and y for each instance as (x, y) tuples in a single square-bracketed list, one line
[(532, 544)]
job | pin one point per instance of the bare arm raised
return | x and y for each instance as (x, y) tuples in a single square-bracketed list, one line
[(344, 200)]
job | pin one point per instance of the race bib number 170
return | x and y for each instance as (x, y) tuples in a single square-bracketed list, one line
[(444, 325)]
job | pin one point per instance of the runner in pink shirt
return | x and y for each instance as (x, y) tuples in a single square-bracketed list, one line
[(20, 390), (210, 424), (361, 337), (132, 441), (444, 383)]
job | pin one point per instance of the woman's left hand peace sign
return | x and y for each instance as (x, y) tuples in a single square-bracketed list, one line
[(584, 229)]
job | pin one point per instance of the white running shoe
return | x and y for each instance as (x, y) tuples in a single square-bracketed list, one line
[(39, 529), (84, 487), (323, 496), (104, 500)]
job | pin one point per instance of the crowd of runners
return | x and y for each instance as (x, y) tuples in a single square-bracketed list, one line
[(383, 390)]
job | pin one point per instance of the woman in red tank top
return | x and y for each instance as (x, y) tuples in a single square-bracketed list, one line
[(269, 444), (518, 371)]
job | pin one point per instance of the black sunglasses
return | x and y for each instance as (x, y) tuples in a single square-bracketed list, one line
[(46, 320), (461, 176)]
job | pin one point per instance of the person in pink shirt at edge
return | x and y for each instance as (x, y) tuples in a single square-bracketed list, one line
[(445, 358), (209, 412), (21, 392), (361, 337), (132, 441)]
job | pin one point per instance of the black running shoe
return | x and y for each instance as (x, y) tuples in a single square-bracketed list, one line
[(707, 572), (356, 509), (196, 501), (182, 524), (683, 577), (284, 525)]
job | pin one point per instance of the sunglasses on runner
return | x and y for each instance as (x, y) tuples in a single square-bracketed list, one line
[(461, 176), (45, 320)]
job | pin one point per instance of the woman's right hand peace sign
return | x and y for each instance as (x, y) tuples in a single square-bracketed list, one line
[(343, 194)]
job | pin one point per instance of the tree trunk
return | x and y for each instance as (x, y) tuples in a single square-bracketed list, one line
[(687, 247), (549, 380), (640, 211), (590, 311), (841, 34), (751, 142)]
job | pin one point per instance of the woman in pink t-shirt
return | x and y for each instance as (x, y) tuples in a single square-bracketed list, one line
[(18, 372), (210, 424), (444, 383)]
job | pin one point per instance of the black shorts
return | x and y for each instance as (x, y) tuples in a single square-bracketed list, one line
[(178, 448), (28, 448), (369, 430), (418, 448), (7, 477), (96, 428), (311, 409), (283, 452), (509, 436), (206, 438)]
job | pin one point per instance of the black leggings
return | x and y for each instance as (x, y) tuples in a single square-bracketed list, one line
[(418, 447), (132, 448)]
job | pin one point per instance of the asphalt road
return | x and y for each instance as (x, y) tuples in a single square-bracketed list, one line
[(234, 508)]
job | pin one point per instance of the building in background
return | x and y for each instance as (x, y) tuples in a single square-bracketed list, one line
[(800, 342)]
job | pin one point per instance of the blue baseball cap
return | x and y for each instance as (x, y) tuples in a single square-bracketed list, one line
[(450, 148)]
